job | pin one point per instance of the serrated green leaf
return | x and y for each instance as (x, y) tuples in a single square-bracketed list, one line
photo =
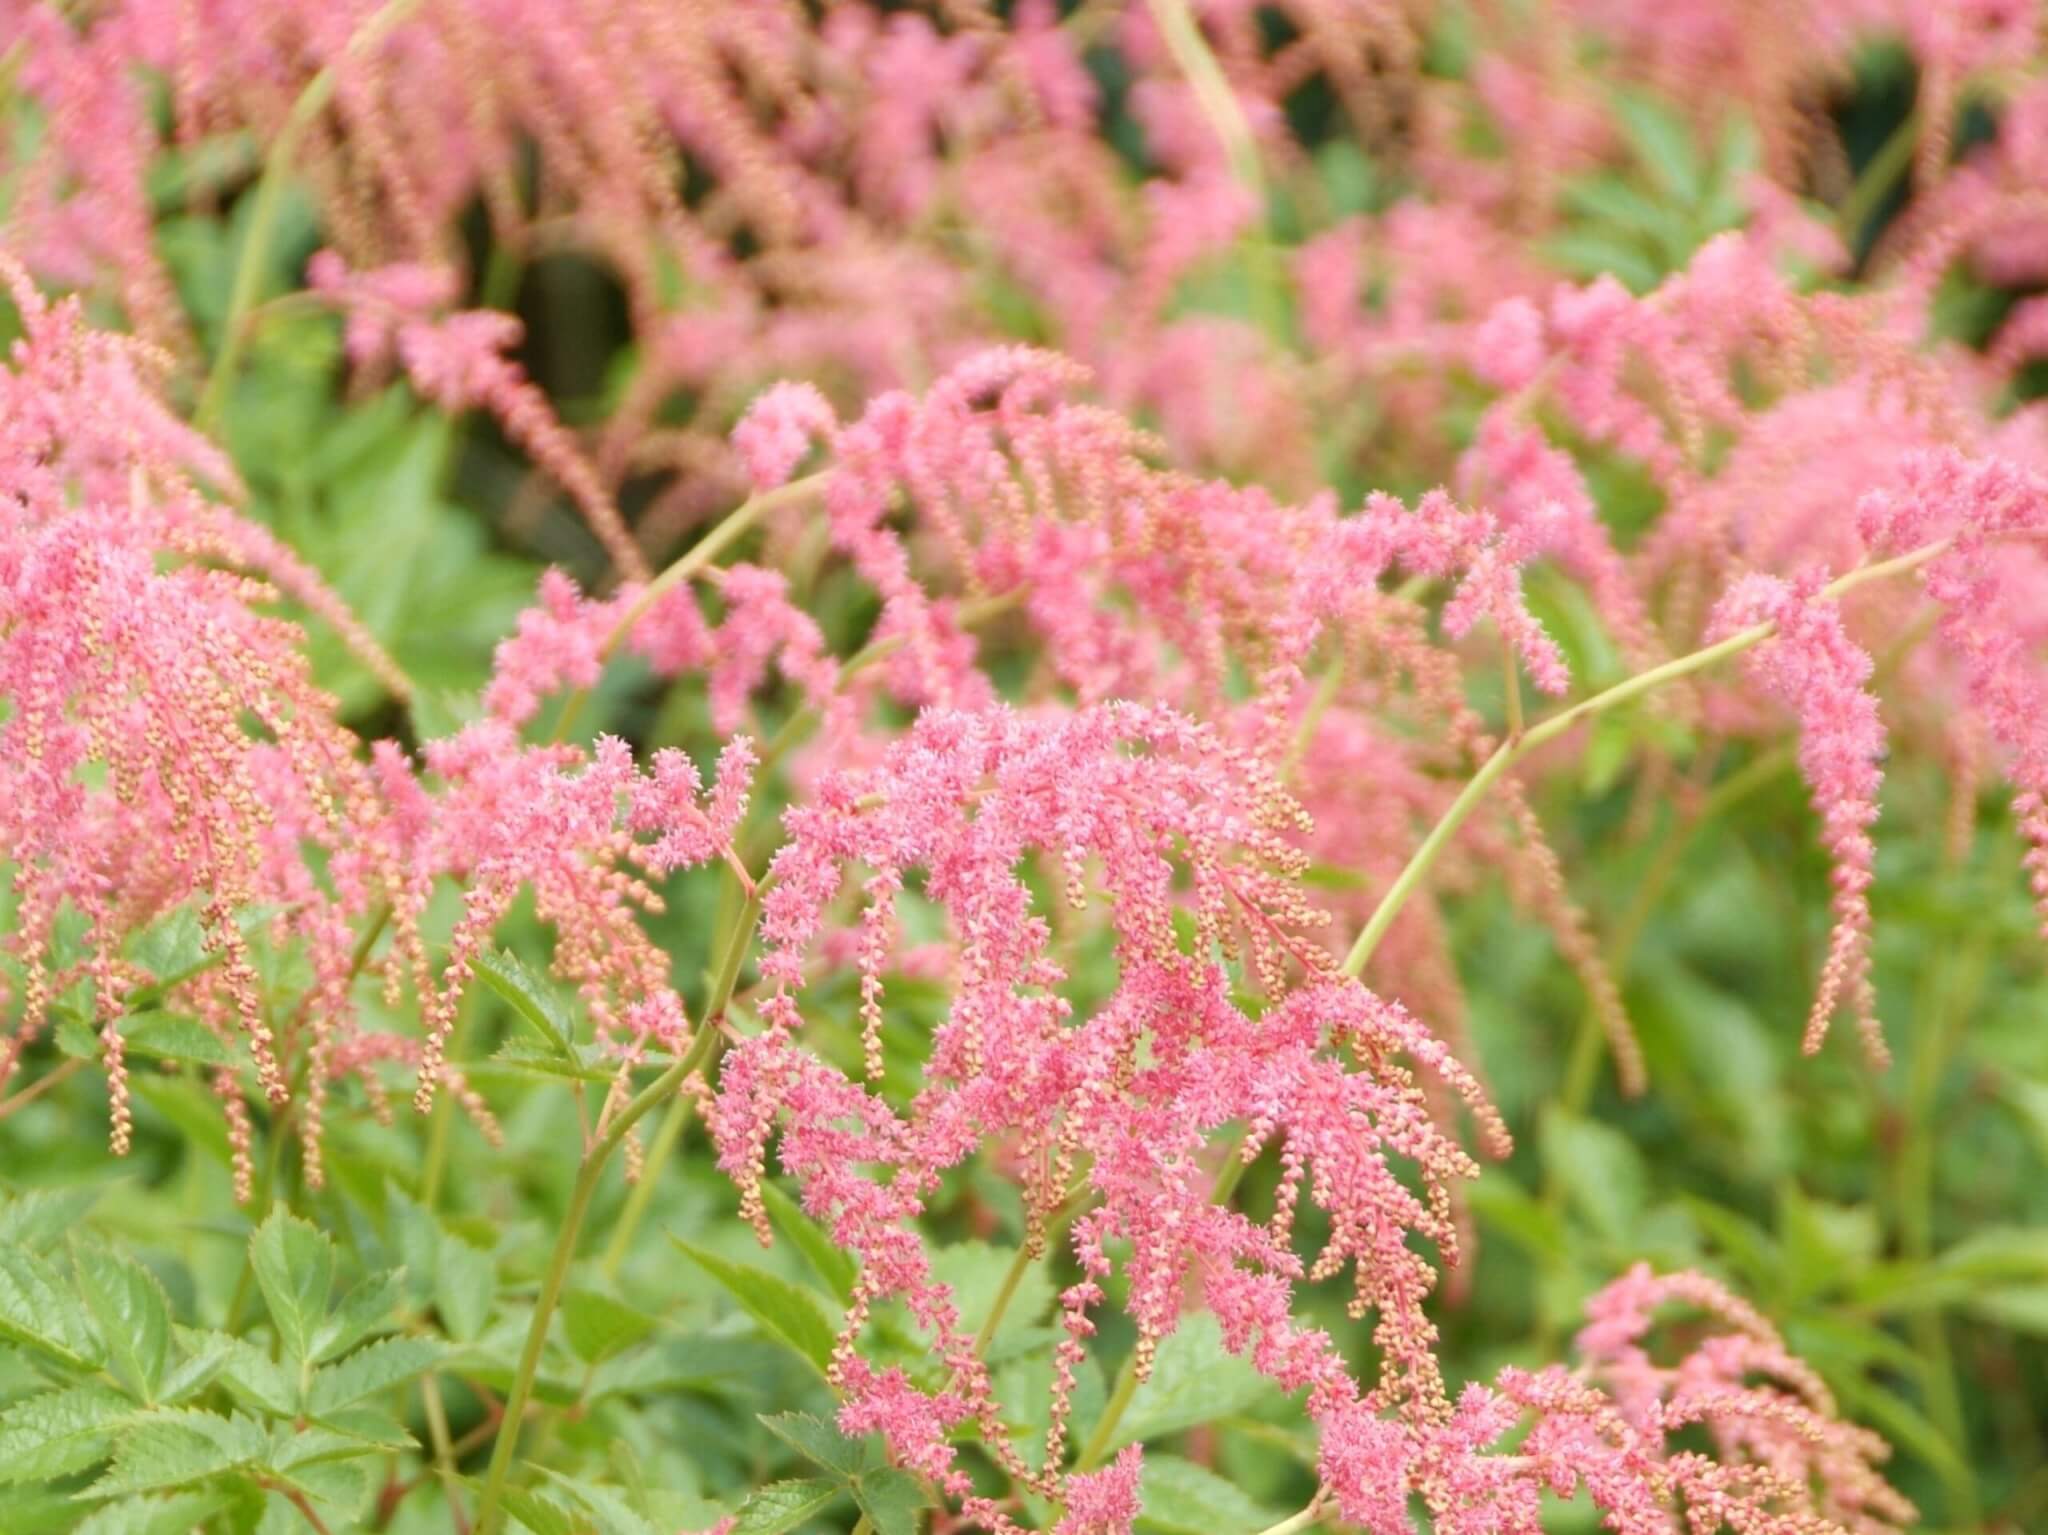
[(295, 1447), (174, 1037), (59, 1432), (782, 1506), (530, 1058), (371, 1425), (541, 1516), (821, 1442), (340, 1487), (39, 1220), (531, 997), (370, 1369), (176, 1447), (253, 1377), (785, 1311), (465, 1285), (294, 1264), (172, 948), (201, 1356), (891, 1499), (599, 1326), (608, 1507), (1194, 1380), (831, 1262), (134, 1317), (366, 1308), (38, 1309), (179, 1514), (1178, 1497)]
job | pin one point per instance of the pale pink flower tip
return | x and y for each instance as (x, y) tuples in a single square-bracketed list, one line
[(777, 430)]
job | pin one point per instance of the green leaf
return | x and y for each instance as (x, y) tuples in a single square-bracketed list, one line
[(465, 1285), (172, 948), (294, 1264), (59, 1432), (531, 997), (1601, 1171), (41, 1219), (599, 1326), (175, 1447), (891, 1499), (2022, 1308), (161, 1036), (175, 1037), (831, 1262), (366, 1308), (819, 1441), (1664, 143), (1593, 252), (253, 1376), (1194, 1380), (133, 1315), (977, 1273), (177, 1515), (1179, 1497), (782, 1506), (38, 1309), (202, 1355), (294, 1447), (608, 1506), (787, 1311), (371, 1425), (541, 1516), (369, 1370)]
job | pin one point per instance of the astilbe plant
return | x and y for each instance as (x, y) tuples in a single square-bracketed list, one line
[(1123, 685)]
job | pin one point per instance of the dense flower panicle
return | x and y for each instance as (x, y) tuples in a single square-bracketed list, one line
[(165, 745), (1812, 665)]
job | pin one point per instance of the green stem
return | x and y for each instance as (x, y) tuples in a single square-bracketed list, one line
[(277, 164), (1297, 1521), (642, 1193), (490, 1516), (1112, 1413), (1218, 102), (444, 1448), (1874, 183), (1511, 751), (1099, 1443), (1948, 987), (693, 561)]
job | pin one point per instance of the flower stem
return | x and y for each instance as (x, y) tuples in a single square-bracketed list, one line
[(277, 164), (693, 561), (1126, 1386), (1300, 1520), (1874, 183), (490, 1515), (1511, 751)]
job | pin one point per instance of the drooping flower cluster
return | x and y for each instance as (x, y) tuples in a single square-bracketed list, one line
[(1121, 688)]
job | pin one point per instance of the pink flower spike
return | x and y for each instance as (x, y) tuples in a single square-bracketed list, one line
[(1813, 667)]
